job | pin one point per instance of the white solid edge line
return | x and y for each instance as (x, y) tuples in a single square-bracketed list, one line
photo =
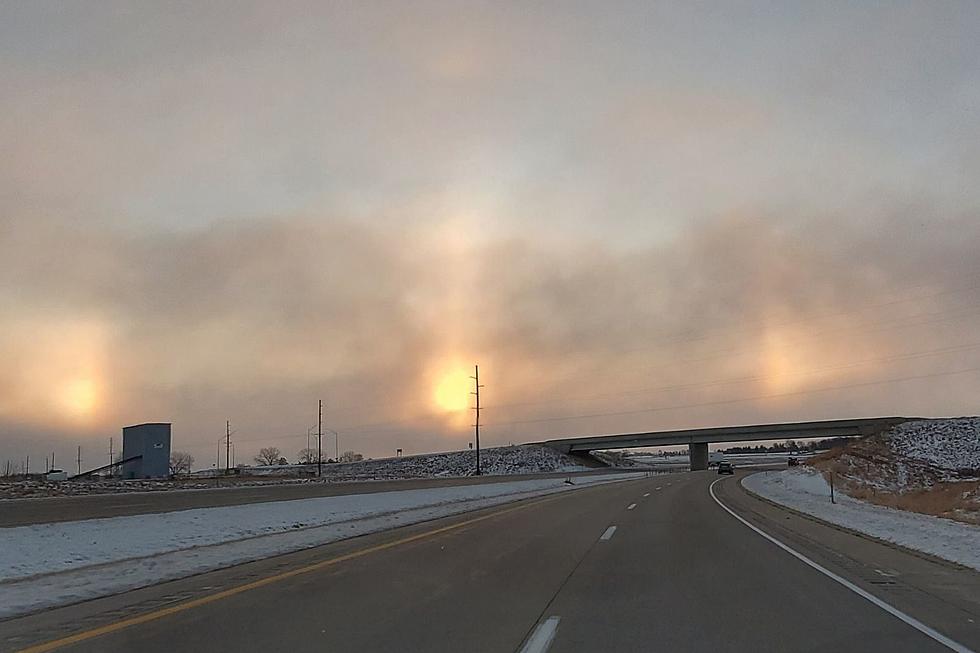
[(542, 637), (607, 535), (887, 607), (631, 506)]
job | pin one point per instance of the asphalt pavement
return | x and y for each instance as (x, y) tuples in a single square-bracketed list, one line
[(647, 565)]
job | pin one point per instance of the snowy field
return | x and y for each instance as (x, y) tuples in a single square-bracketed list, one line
[(806, 490), (739, 459), (496, 461), (53, 564)]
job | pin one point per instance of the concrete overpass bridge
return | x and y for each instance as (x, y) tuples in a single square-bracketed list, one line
[(698, 440)]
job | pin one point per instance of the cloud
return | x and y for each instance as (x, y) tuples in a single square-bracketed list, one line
[(254, 320), (667, 208)]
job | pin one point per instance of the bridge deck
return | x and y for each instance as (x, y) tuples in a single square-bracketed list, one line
[(791, 430)]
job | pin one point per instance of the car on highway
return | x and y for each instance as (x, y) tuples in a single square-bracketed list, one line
[(726, 467), (792, 461)]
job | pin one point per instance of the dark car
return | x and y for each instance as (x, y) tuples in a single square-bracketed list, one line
[(725, 467), (792, 461)]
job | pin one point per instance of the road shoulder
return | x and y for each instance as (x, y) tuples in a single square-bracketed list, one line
[(942, 594)]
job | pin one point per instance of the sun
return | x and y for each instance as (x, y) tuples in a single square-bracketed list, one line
[(79, 397), (452, 391)]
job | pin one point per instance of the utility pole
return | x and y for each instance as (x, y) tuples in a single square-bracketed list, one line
[(319, 436), (477, 409), (27, 465), (110, 455), (227, 446), (79, 459)]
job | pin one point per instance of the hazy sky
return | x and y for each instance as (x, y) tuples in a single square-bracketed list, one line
[(634, 216)]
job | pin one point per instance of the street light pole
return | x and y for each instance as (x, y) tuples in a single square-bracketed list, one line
[(336, 444), (319, 437)]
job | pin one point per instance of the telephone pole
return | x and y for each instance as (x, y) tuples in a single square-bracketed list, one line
[(79, 459), (319, 437), (110, 456), (227, 446), (477, 409)]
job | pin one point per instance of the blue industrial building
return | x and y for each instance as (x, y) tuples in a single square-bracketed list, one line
[(146, 450)]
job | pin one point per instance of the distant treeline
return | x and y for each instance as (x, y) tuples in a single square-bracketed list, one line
[(791, 445)]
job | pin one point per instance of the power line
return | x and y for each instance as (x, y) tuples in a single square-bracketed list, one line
[(824, 316), (747, 379), (940, 316), (394, 424), (883, 325), (735, 401)]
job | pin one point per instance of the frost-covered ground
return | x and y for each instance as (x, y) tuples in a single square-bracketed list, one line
[(53, 564), (927, 466), (806, 490), (497, 461), (950, 444)]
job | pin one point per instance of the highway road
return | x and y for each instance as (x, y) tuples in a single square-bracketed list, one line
[(648, 565), (23, 512)]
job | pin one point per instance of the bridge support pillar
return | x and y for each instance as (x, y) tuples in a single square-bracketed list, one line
[(698, 451)]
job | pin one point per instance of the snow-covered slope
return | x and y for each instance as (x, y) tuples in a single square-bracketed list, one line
[(952, 444), (518, 459), (930, 466)]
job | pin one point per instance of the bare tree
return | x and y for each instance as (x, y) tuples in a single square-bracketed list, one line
[(268, 456), (307, 456), (350, 457), (180, 463)]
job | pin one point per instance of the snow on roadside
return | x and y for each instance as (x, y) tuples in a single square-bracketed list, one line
[(807, 491), (52, 564), (495, 461)]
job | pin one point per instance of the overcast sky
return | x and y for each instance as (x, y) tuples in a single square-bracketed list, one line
[(633, 216)]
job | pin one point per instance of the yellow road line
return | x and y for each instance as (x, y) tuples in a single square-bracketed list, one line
[(262, 582)]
